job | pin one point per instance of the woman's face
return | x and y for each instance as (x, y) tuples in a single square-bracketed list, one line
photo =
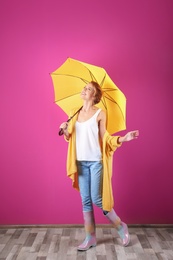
[(88, 92)]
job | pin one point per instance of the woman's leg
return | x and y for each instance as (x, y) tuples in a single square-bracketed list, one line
[(96, 170), (88, 214), (90, 237), (120, 226), (84, 185), (96, 194)]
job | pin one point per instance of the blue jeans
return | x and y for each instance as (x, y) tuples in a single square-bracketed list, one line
[(90, 175)]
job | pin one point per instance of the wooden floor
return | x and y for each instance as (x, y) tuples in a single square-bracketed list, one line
[(44, 243)]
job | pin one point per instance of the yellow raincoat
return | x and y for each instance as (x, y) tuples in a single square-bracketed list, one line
[(109, 146)]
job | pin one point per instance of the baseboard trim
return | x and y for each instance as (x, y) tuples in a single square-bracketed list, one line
[(81, 226)]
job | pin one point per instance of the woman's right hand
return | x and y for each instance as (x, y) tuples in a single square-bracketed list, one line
[(64, 126), (64, 129)]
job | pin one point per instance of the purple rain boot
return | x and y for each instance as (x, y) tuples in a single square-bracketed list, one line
[(90, 239), (120, 226)]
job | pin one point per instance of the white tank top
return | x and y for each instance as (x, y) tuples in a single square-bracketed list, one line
[(87, 139)]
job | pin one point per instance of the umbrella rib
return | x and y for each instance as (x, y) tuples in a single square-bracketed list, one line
[(91, 74), (104, 104), (109, 89), (109, 96), (101, 84)]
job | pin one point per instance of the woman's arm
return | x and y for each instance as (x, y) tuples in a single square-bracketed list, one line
[(129, 136), (102, 129), (102, 124)]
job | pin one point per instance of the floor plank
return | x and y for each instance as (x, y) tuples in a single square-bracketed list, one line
[(49, 243)]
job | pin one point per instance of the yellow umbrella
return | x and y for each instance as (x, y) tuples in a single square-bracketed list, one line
[(71, 77)]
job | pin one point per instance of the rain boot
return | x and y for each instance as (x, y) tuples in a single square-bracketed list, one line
[(120, 226), (90, 239)]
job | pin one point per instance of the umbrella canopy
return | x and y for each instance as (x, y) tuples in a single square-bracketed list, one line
[(73, 75)]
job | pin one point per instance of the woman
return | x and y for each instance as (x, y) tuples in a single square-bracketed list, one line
[(89, 162)]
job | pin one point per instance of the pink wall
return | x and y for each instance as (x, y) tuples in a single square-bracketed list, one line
[(133, 41)]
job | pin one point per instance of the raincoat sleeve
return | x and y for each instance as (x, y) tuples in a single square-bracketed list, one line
[(110, 144)]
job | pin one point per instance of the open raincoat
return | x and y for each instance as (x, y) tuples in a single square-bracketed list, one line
[(110, 144)]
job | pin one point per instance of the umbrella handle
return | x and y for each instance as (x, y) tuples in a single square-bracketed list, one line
[(61, 131)]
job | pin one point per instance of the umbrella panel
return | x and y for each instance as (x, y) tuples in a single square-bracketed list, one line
[(115, 117), (81, 70), (66, 86), (70, 102)]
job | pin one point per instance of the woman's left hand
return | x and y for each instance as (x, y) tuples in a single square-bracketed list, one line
[(129, 136)]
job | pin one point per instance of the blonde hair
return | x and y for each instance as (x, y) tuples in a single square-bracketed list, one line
[(98, 92)]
